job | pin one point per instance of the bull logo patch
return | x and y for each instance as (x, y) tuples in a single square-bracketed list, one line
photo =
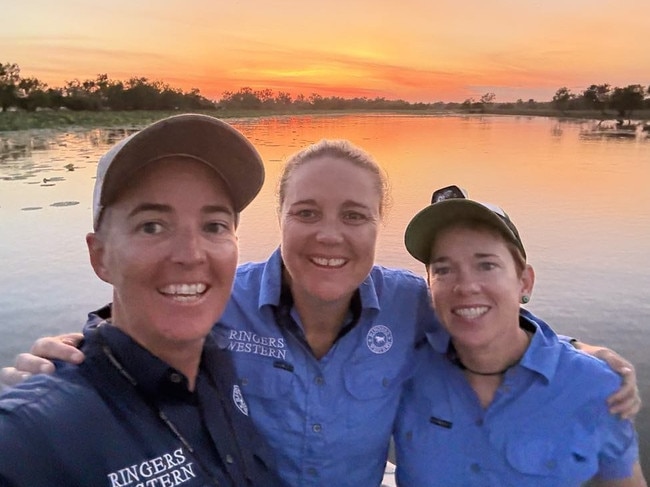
[(379, 339)]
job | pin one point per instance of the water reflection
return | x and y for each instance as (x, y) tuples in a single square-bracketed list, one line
[(581, 204)]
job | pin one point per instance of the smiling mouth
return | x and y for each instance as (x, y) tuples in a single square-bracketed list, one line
[(471, 312), (184, 292), (324, 262)]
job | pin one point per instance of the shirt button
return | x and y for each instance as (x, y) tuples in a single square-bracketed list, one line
[(550, 464), (319, 381), (229, 458), (316, 428), (312, 471), (385, 382), (475, 467), (175, 378), (479, 422), (244, 381)]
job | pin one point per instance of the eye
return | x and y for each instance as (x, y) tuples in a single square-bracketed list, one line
[(151, 228), (216, 227), (440, 270), (487, 266), (305, 214), (354, 217)]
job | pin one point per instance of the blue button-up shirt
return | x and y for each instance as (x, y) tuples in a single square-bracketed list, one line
[(548, 424), (329, 420), (91, 425)]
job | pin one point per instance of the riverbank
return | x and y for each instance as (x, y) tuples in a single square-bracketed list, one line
[(20, 120)]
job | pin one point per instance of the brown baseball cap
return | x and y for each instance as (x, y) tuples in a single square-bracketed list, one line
[(195, 136)]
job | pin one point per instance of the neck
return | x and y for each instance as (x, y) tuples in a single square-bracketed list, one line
[(322, 321), (495, 359), (464, 367)]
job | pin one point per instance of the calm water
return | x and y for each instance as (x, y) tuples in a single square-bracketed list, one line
[(581, 203)]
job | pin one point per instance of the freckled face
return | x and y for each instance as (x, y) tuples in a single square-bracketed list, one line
[(329, 222), (168, 247), (475, 286)]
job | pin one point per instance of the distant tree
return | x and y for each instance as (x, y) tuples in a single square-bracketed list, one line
[(467, 104), (9, 78), (245, 98), (626, 100), (266, 97), (562, 98), (487, 98), (32, 94), (283, 99), (316, 100), (596, 97), (54, 98)]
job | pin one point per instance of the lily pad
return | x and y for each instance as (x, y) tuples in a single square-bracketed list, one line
[(65, 203)]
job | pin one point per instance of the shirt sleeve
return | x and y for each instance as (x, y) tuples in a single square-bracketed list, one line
[(621, 448)]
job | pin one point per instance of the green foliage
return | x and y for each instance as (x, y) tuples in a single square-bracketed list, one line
[(626, 100), (141, 94), (562, 98)]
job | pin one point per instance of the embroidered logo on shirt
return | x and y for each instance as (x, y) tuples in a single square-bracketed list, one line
[(171, 469), (249, 342), (379, 339), (238, 399)]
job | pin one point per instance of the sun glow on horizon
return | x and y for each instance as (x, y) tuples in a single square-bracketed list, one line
[(412, 51)]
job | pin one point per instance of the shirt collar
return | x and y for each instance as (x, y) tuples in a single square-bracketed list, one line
[(272, 284), (542, 355), (152, 376)]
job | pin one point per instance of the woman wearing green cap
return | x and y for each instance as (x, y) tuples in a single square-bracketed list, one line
[(498, 399)]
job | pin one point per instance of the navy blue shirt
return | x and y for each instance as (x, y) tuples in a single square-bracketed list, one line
[(124, 418)]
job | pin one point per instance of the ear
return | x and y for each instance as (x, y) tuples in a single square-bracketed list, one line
[(97, 253), (527, 280)]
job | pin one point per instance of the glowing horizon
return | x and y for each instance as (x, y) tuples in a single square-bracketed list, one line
[(409, 50)]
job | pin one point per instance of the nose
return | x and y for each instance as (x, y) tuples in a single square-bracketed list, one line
[(188, 247), (329, 232), (465, 283)]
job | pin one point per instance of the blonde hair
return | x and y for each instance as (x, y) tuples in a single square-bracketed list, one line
[(339, 149)]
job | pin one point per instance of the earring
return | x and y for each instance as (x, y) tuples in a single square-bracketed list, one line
[(525, 298)]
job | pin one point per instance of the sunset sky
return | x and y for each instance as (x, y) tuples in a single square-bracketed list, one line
[(416, 50)]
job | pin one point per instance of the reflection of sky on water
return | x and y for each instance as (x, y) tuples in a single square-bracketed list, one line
[(581, 205)]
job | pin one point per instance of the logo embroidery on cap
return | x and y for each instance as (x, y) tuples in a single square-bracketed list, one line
[(379, 339), (238, 399)]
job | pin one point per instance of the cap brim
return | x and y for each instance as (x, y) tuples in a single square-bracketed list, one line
[(423, 228), (196, 136)]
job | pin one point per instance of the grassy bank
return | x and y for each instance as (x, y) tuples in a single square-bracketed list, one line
[(64, 118)]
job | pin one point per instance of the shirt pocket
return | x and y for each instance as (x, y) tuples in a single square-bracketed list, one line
[(566, 455), (373, 388), (266, 388)]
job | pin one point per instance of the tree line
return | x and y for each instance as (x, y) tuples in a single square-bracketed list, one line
[(139, 93)]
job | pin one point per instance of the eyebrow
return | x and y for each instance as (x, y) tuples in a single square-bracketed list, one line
[(161, 208), (346, 203), (477, 255)]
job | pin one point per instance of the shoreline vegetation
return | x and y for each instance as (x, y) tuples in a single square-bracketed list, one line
[(28, 103), (62, 119)]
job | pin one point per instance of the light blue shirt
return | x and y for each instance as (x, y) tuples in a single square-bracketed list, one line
[(548, 424), (329, 420)]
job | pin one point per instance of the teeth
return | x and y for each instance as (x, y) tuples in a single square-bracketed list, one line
[(470, 313), (328, 262), (184, 290)]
